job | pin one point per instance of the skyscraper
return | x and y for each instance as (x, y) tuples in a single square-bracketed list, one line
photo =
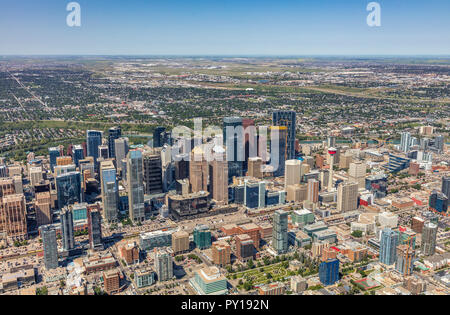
[(93, 141), (446, 186), (94, 228), (163, 264), (438, 202), (13, 216), (219, 176), (157, 137), (68, 188), (135, 181), (77, 154), (103, 152), (53, 153), (388, 246), (292, 173), (347, 196), (198, 170), (121, 147), (280, 232), (254, 167), (405, 259), (233, 138), (329, 271), (113, 134), (50, 245), (67, 231), (202, 236), (287, 119), (357, 173), (110, 191), (153, 183), (439, 143), (429, 234), (405, 141), (43, 208), (313, 190)]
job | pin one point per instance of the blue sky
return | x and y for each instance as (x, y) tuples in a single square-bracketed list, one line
[(226, 27)]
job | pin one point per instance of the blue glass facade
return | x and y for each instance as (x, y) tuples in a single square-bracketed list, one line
[(388, 246), (329, 272), (93, 141), (53, 153), (68, 189), (77, 154)]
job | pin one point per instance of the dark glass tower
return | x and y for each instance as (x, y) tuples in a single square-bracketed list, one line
[(93, 140), (234, 143), (113, 134), (287, 119), (68, 239)]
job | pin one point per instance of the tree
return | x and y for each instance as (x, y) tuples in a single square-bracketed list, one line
[(357, 234)]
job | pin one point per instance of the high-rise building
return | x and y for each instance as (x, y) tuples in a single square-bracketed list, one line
[(68, 188), (67, 230), (198, 170), (245, 247), (180, 242), (157, 137), (163, 264), (297, 193), (439, 143), (438, 202), (332, 152), (254, 167), (292, 172), (429, 234), (43, 208), (93, 141), (110, 191), (347, 196), (357, 173), (405, 141), (405, 259), (182, 166), (313, 190), (77, 154), (13, 220), (331, 142), (219, 176), (121, 148), (329, 271), (50, 245), (103, 152), (221, 253), (202, 236), (113, 134), (280, 232), (388, 246), (287, 119), (233, 139), (152, 175), (254, 194), (94, 227), (135, 182), (53, 153), (446, 186)]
